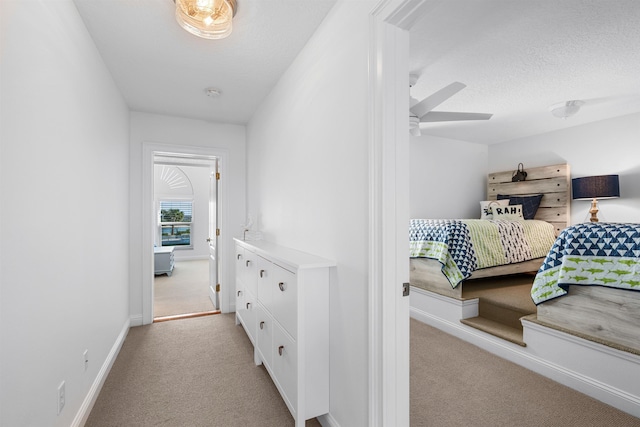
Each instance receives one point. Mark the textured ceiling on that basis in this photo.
(160, 68)
(519, 57)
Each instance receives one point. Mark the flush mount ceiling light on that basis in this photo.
(209, 19)
(566, 109)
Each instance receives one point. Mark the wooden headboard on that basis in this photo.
(554, 182)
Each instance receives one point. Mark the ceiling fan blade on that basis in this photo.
(449, 116)
(432, 101)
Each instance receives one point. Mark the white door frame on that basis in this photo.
(389, 210)
(213, 235)
(149, 150)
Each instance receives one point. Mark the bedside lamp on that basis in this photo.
(594, 188)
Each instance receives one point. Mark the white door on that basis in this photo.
(214, 289)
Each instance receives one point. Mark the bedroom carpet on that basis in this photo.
(200, 372)
(186, 291)
(454, 383)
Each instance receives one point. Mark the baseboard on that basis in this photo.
(85, 409)
(135, 320)
(610, 390)
(327, 420)
(443, 307)
(614, 385)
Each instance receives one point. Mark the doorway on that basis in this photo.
(185, 199)
(148, 220)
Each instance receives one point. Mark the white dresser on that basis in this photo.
(282, 301)
(163, 260)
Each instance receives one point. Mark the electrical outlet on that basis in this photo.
(61, 397)
(86, 359)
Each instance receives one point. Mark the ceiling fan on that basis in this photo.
(421, 112)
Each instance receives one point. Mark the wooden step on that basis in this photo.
(498, 329)
(512, 291)
(502, 302)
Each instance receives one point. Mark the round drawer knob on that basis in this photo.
(262, 273)
(239, 293)
(248, 305)
(282, 286)
(239, 256)
(280, 350)
(262, 325)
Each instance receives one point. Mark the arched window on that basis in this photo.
(174, 196)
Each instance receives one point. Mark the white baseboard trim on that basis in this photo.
(91, 397)
(608, 388)
(327, 420)
(557, 347)
(443, 307)
(135, 320)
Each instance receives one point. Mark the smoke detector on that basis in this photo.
(212, 92)
(566, 109)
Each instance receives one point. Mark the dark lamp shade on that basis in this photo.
(596, 187)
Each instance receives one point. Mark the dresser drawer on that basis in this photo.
(240, 297)
(245, 311)
(264, 335)
(285, 296)
(285, 366)
(239, 263)
(249, 272)
(266, 276)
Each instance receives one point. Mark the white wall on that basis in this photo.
(308, 183)
(601, 148)
(176, 131)
(448, 178)
(64, 204)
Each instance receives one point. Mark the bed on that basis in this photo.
(524, 243)
(589, 283)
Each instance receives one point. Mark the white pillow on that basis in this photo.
(510, 212)
(486, 206)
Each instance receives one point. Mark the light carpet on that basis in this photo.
(454, 383)
(200, 372)
(186, 291)
(192, 372)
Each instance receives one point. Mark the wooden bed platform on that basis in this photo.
(427, 274)
(606, 315)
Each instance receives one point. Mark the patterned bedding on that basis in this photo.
(603, 254)
(463, 246)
